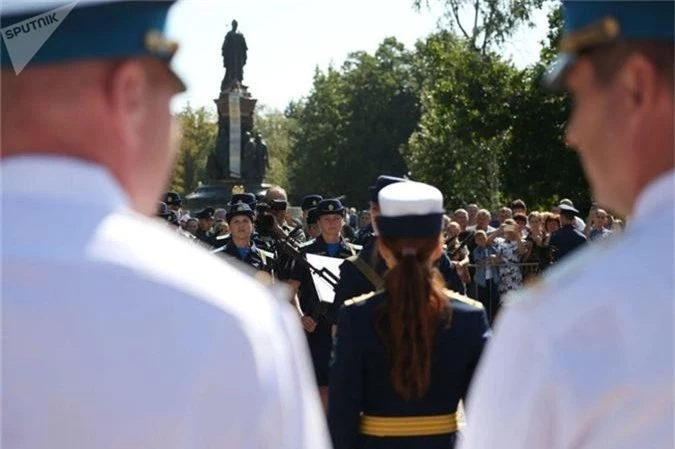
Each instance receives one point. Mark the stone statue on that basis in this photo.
(261, 158)
(234, 56)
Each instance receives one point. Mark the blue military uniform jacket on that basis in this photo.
(364, 273)
(360, 389)
(254, 258)
(565, 240)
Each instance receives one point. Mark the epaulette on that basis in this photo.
(266, 254)
(464, 299)
(356, 247)
(361, 298)
(306, 244)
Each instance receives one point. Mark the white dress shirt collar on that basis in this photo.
(658, 196)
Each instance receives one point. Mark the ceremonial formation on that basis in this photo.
(243, 315)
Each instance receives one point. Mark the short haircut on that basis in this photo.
(518, 204)
(607, 60)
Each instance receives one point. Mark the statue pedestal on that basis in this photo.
(224, 176)
(229, 157)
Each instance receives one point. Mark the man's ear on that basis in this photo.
(639, 79)
(127, 98)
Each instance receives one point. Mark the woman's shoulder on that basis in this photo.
(461, 302)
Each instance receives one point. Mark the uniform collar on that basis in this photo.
(657, 197)
(61, 178)
(342, 242)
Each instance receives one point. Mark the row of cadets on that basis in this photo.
(405, 355)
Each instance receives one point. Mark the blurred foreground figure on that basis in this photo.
(584, 359)
(113, 332)
(405, 355)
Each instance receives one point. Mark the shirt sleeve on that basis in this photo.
(512, 399)
(344, 406)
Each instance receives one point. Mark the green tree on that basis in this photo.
(198, 138)
(352, 124)
(276, 129)
(486, 24)
(538, 166)
(465, 120)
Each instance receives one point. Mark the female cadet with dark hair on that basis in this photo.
(405, 355)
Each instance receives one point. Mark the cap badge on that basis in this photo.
(156, 42)
(598, 33)
(331, 207)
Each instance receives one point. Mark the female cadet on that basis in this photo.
(314, 313)
(240, 220)
(404, 356)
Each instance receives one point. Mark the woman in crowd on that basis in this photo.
(510, 249)
(537, 251)
(404, 356)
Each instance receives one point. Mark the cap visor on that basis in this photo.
(554, 78)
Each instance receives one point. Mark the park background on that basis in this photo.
(447, 92)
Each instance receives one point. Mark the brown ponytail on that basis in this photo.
(408, 321)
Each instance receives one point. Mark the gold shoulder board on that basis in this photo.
(358, 299)
(464, 299)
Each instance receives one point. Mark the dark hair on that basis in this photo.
(408, 321)
(518, 204)
(608, 59)
(551, 217)
(520, 217)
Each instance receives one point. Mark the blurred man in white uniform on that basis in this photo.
(584, 359)
(117, 332)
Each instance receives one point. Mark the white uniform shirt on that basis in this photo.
(118, 333)
(584, 359)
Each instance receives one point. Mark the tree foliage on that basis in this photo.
(538, 165)
(198, 129)
(465, 120)
(450, 112)
(353, 122)
(486, 23)
(276, 130)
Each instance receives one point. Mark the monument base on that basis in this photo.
(217, 193)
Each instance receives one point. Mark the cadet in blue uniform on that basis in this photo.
(203, 233)
(313, 230)
(313, 312)
(174, 202)
(363, 273)
(219, 241)
(405, 355)
(568, 237)
(241, 246)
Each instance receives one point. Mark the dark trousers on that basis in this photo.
(488, 295)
